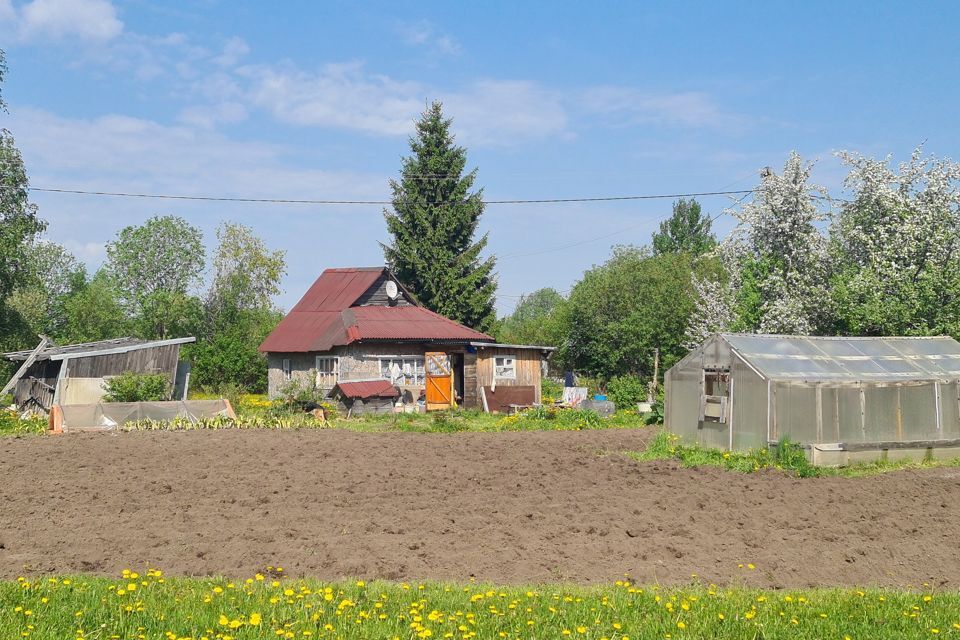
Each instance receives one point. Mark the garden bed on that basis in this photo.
(518, 507)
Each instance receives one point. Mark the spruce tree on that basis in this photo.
(433, 222)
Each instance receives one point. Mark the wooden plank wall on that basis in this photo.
(152, 360)
(528, 369)
(471, 397)
(376, 295)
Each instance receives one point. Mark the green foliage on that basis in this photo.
(786, 455)
(624, 309)
(11, 424)
(53, 274)
(265, 420)
(626, 391)
(229, 353)
(432, 225)
(550, 390)
(656, 413)
(137, 387)
(238, 312)
(537, 319)
(166, 606)
(19, 223)
(163, 255)
(687, 230)
(93, 312)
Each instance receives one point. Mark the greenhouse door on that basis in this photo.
(715, 408)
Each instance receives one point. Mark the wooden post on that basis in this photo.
(652, 388)
(44, 341)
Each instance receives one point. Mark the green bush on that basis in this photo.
(550, 390)
(137, 387)
(626, 391)
(12, 424)
(786, 455)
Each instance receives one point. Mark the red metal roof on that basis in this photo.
(324, 317)
(369, 389)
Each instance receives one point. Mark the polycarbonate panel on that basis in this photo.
(919, 409)
(882, 413)
(926, 346)
(848, 401)
(795, 407)
(683, 398)
(823, 359)
(749, 415)
(829, 409)
(950, 410)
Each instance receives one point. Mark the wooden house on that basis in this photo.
(360, 325)
(74, 374)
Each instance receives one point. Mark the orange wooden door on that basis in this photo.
(439, 380)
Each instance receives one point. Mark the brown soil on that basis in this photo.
(507, 507)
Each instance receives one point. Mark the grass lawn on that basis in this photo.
(269, 606)
(785, 456)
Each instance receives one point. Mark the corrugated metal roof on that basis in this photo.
(84, 349)
(406, 323)
(324, 317)
(337, 289)
(368, 389)
(850, 359)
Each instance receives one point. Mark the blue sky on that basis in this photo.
(313, 100)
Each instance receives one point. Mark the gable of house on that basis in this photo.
(345, 306)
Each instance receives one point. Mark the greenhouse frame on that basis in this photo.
(843, 398)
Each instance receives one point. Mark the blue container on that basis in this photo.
(599, 396)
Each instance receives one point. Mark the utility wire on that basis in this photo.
(159, 196)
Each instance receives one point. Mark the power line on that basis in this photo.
(163, 196)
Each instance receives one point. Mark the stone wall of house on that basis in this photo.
(357, 362)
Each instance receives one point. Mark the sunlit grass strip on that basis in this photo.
(152, 606)
(785, 456)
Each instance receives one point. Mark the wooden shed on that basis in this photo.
(74, 374)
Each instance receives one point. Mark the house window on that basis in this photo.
(405, 370)
(328, 371)
(286, 368)
(505, 368)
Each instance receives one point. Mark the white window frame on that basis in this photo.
(329, 375)
(505, 371)
(285, 366)
(416, 377)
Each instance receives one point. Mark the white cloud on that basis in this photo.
(7, 12)
(629, 105)
(91, 20)
(425, 34)
(344, 96)
(497, 112)
(120, 153)
(338, 95)
(233, 51)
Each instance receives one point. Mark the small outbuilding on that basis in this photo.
(360, 325)
(74, 374)
(842, 398)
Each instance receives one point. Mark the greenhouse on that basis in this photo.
(844, 399)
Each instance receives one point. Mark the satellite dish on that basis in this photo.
(392, 290)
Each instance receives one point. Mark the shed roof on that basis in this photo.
(849, 359)
(326, 317)
(101, 347)
(368, 389)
